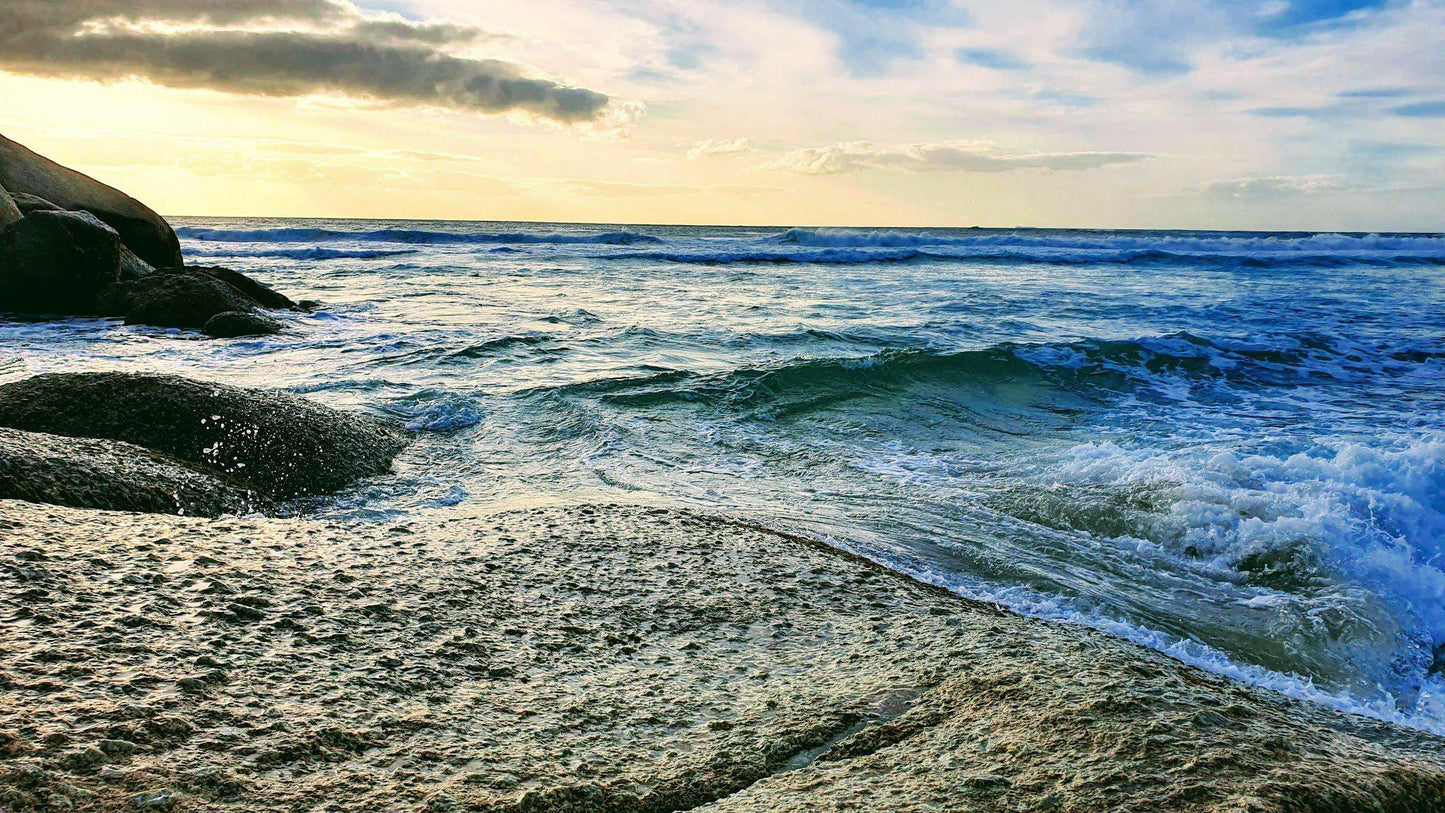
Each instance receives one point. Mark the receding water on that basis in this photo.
(1228, 446)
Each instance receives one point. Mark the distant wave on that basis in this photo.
(829, 256)
(1172, 243)
(946, 252)
(414, 236)
(312, 253)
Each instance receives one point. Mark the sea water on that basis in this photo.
(1227, 446)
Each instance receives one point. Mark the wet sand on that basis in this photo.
(604, 658)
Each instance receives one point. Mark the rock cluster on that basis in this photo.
(72, 246)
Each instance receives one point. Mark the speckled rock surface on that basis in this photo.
(85, 473)
(603, 658)
(277, 444)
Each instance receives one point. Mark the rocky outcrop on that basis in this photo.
(57, 262)
(263, 295)
(189, 297)
(9, 212)
(236, 324)
(278, 445)
(174, 298)
(72, 246)
(87, 473)
(141, 229)
(131, 265)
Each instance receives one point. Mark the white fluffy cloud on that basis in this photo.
(719, 146)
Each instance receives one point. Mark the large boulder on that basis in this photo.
(108, 474)
(28, 203)
(264, 295)
(279, 445)
(181, 299)
(141, 229)
(131, 265)
(9, 212)
(236, 324)
(57, 262)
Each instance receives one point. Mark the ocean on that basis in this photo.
(1226, 446)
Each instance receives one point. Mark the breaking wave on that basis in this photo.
(1174, 366)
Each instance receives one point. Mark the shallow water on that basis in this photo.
(1228, 446)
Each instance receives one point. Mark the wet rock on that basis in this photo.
(260, 293)
(236, 324)
(57, 262)
(174, 298)
(279, 445)
(141, 229)
(112, 475)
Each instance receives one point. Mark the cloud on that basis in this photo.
(280, 48)
(1159, 37)
(1431, 109)
(992, 58)
(946, 156)
(1276, 187)
(719, 146)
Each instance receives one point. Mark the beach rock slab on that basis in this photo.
(141, 229)
(57, 262)
(238, 324)
(279, 445)
(89, 473)
(618, 659)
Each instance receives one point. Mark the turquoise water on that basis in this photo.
(1228, 446)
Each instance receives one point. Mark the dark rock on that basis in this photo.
(57, 262)
(131, 265)
(142, 230)
(107, 474)
(31, 203)
(174, 298)
(308, 305)
(235, 324)
(264, 295)
(9, 212)
(280, 445)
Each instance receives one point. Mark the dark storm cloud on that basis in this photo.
(275, 47)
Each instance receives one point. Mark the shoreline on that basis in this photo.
(606, 657)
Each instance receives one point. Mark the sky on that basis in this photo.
(1277, 114)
